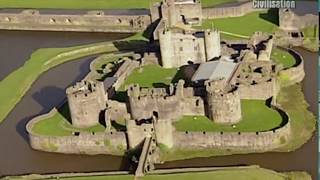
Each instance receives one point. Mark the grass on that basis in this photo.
(247, 173)
(228, 174)
(17, 83)
(59, 125)
(282, 57)
(150, 76)
(256, 117)
(91, 4)
(303, 123)
(211, 3)
(311, 38)
(264, 21)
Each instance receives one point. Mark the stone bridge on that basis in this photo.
(147, 157)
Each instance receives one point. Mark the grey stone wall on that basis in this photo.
(84, 143)
(294, 74)
(124, 71)
(290, 21)
(259, 141)
(260, 91)
(91, 22)
(230, 11)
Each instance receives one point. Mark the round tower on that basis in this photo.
(172, 13)
(223, 106)
(166, 48)
(86, 101)
(212, 44)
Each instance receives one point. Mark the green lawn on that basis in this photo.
(58, 125)
(245, 25)
(283, 57)
(303, 124)
(256, 116)
(247, 173)
(91, 4)
(211, 3)
(150, 76)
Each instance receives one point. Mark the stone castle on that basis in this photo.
(153, 110)
(223, 74)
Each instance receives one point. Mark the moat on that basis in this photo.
(48, 91)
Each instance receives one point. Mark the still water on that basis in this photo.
(16, 156)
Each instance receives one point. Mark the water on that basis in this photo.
(17, 157)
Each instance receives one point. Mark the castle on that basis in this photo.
(250, 75)
(222, 76)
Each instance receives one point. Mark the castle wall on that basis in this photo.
(260, 91)
(147, 106)
(230, 11)
(85, 105)
(163, 130)
(85, 143)
(166, 48)
(93, 21)
(290, 21)
(212, 44)
(124, 71)
(255, 141)
(137, 133)
(294, 74)
(182, 48)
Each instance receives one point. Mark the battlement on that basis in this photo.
(85, 88)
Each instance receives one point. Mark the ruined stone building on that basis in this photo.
(180, 44)
(87, 99)
(181, 47)
(151, 111)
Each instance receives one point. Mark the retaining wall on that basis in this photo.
(83, 143)
(294, 74)
(230, 11)
(92, 21)
(255, 141)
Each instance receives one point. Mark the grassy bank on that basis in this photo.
(311, 38)
(250, 173)
(259, 21)
(92, 4)
(291, 99)
(17, 83)
(256, 116)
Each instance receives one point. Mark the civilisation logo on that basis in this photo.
(267, 4)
